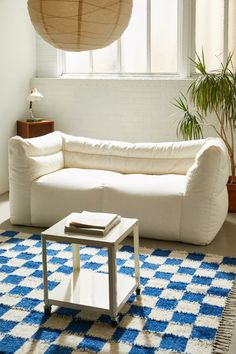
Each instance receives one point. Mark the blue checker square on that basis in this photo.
(127, 248)
(102, 252)
(51, 252)
(20, 290)
(224, 275)
(13, 279)
(120, 262)
(173, 261)
(229, 261)
(193, 297)
(166, 304)
(177, 285)
(7, 269)
(27, 303)
(56, 260)
(136, 349)
(4, 309)
(19, 248)
(46, 334)
(35, 237)
(174, 343)
(183, 318)
(186, 270)
(35, 318)
(131, 298)
(57, 349)
(104, 319)
(218, 291)
(211, 310)
(69, 248)
(63, 311)
(143, 257)
(3, 259)
(201, 280)
(203, 333)
(79, 326)
(196, 256)
(14, 240)
(91, 343)
(143, 281)
(163, 275)
(161, 253)
(6, 326)
(152, 266)
(9, 233)
(51, 285)
(10, 344)
(64, 269)
(38, 274)
(141, 311)
(25, 255)
(155, 326)
(125, 335)
(127, 270)
(211, 266)
(92, 265)
(152, 291)
(85, 257)
(32, 264)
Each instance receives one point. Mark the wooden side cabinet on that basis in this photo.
(32, 129)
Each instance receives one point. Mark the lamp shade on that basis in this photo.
(34, 96)
(79, 25)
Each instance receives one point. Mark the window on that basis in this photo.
(215, 30)
(161, 36)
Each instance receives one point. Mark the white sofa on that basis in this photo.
(176, 190)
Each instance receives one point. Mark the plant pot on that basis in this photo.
(232, 195)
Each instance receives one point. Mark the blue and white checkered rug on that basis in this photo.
(179, 311)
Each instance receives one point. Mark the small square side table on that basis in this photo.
(85, 289)
(33, 129)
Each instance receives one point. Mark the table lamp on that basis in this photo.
(33, 96)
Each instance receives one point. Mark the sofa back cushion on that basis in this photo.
(123, 157)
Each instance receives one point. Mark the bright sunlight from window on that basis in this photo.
(150, 43)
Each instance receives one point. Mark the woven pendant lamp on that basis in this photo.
(78, 25)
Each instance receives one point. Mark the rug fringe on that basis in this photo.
(228, 319)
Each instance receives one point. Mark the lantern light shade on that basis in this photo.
(79, 25)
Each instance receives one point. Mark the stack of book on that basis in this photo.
(91, 223)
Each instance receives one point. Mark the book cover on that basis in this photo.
(92, 230)
(88, 219)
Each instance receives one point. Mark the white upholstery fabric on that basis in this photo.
(148, 158)
(176, 190)
(114, 192)
(28, 160)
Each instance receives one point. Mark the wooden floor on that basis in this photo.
(223, 244)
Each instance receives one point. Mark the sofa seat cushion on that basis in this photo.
(154, 199)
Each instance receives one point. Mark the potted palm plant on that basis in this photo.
(212, 92)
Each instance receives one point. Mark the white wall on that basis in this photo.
(122, 109)
(17, 66)
(137, 109)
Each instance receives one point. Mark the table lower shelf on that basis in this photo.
(86, 289)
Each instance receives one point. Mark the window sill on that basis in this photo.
(136, 77)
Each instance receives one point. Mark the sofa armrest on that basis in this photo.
(28, 160)
(205, 202)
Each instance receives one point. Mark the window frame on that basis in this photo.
(185, 47)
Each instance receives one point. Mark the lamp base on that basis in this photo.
(34, 119)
